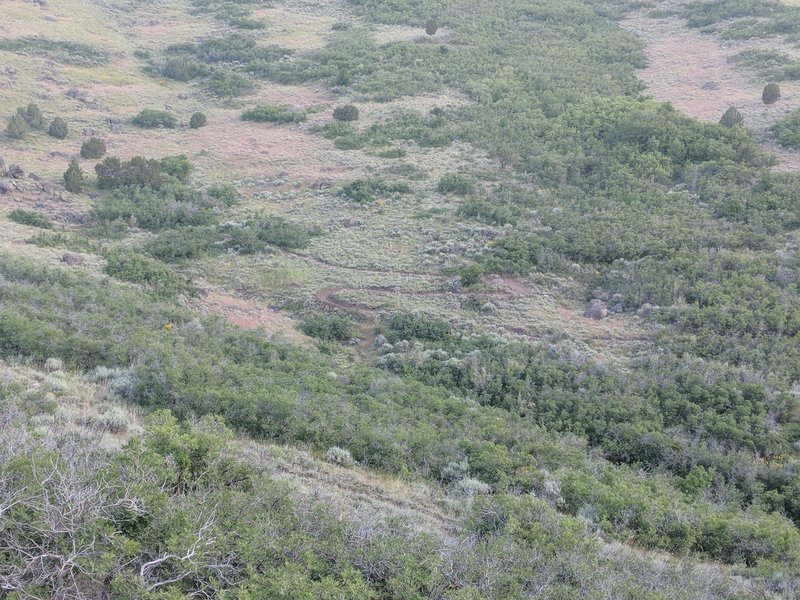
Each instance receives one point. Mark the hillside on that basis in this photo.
(399, 299)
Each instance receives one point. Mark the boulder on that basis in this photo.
(15, 172)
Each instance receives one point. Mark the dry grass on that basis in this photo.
(51, 397)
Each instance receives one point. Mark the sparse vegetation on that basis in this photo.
(30, 218)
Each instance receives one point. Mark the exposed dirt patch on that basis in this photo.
(250, 314)
(696, 73)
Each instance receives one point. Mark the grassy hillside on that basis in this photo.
(483, 320)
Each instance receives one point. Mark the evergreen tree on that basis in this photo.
(58, 128)
(345, 113)
(34, 116)
(93, 148)
(771, 93)
(731, 118)
(73, 177)
(17, 127)
(198, 120)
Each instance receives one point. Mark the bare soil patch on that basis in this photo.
(250, 314)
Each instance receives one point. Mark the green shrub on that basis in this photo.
(73, 177)
(58, 128)
(273, 114)
(189, 243)
(226, 84)
(178, 167)
(455, 183)
(17, 127)
(787, 130)
(93, 148)
(408, 326)
(277, 231)
(198, 120)
(471, 275)
(328, 327)
(152, 119)
(135, 268)
(182, 68)
(771, 93)
(34, 116)
(393, 153)
(112, 173)
(365, 191)
(731, 118)
(360, 191)
(30, 218)
(431, 26)
(345, 113)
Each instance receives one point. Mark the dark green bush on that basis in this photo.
(455, 183)
(93, 148)
(471, 275)
(17, 127)
(273, 114)
(34, 117)
(787, 130)
(30, 218)
(182, 68)
(431, 26)
(73, 177)
(365, 191)
(181, 245)
(152, 119)
(135, 268)
(408, 326)
(227, 84)
(731, 118)
(178, 167)
(198, 120)
(112, 173)
(328, 327)
(345, 113)
(771, 93)
(58, 128)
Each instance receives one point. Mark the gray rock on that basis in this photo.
(15, 172)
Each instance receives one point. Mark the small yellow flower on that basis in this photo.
(168, 326)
